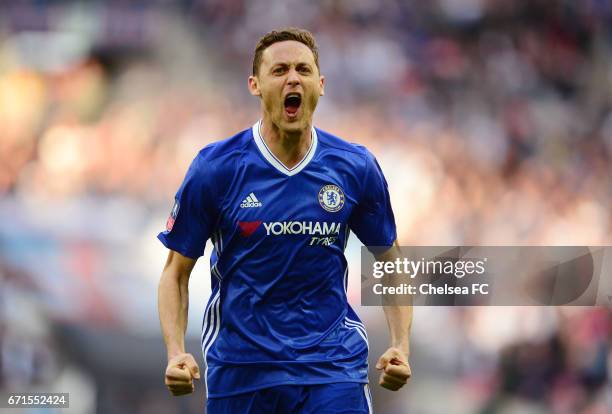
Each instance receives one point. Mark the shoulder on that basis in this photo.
(357, 155)
(215, 164)
(222, 151)
(335, 143)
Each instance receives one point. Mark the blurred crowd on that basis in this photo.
(473, 108)
(492, 120)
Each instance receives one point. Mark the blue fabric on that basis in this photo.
(278, 312)
(336, 398)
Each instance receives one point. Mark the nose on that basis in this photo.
(293, 78)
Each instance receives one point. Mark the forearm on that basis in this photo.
(173, 305)
(399, 320)
(399, 316)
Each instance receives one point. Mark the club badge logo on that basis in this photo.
(331, 198)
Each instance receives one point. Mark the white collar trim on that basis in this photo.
(276, 163)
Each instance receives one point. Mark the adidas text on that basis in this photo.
(250, 201)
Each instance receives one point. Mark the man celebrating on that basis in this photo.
(278, 201)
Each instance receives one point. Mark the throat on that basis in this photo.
(288, 148)
(291, 152)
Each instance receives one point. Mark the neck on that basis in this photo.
(289, 147)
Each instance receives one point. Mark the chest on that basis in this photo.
(315, 204)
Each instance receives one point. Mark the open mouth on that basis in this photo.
(292, 103)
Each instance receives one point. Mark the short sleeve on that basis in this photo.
(191, 218)
(372, 218)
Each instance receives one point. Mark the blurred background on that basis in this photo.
(492, 120)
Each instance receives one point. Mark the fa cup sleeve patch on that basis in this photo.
(173, 214)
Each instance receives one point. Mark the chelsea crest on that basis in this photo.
(331, 198)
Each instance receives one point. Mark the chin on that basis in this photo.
(293, 125)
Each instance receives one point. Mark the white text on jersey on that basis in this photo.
(250, 201)
(316, 228)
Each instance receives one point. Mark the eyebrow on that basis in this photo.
(285, 64)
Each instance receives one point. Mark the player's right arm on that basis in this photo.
(173, 304)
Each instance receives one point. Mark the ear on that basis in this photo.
(322, 85)
(254, 86)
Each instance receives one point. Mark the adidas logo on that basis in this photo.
(250, 201)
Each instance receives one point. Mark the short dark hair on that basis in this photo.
(281, 35)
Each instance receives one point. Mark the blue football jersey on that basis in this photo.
(278, 312)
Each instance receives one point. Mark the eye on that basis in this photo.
(304, 69)
(278, 70)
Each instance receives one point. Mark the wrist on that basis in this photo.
(403, 347)
(174, 352)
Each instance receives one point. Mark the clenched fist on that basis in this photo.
(395, 369)
(181, 371)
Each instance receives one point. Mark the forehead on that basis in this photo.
(288, 51)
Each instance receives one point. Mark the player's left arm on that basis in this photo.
(394, 366)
